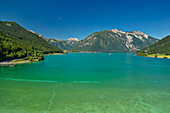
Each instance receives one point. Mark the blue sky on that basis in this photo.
(62, 19)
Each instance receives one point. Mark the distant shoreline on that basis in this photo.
(56, 54)
(157, 56)
(22, 61)
(14, 62)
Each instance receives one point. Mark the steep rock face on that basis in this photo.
(63, 44)
(115, 41)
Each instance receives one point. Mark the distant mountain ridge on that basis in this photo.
(104, 41)
(115, 41)
(63, 44)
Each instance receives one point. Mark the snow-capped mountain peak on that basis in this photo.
(72, 39)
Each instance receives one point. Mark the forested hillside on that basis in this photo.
(12, 48)
(35, 42)
(17, 42)
(160, 47)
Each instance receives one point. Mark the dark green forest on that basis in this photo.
(12, 48)
(17, 42)
(161, 47)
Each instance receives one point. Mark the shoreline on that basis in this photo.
(56, 54)
(157, 56)
(15, 62)
(21, 61)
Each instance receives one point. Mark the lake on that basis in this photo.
(87, 83)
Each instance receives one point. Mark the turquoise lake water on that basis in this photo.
(87, 83)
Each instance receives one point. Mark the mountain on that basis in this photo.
(63, 44)
(37, 34)
(32, 40)
(161, 47)
(115, 41)
(12, 48)
(17, 42)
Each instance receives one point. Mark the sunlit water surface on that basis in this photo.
(87, 83)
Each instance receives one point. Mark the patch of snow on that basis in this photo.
(58, 40)
(90, 37)
(117, 31)
(141, 38)
(87, 44)
(72, 39)
(129, 38)
(8, 24)
(140, 33)
(146, 36)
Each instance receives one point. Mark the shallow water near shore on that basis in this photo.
(87, 83)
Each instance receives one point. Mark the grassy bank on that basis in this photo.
(28, 59)
(159, 56)
(154, 55)
(17, 61)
